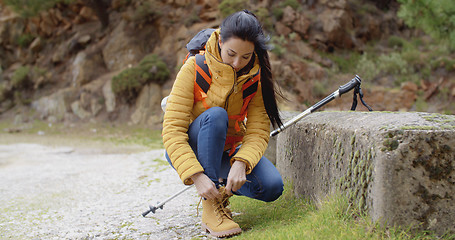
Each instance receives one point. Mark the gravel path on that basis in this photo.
(70, 193)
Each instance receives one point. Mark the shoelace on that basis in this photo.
(222, 208)
(222, 205)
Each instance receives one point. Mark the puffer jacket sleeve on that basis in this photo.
(257, 133)
(176, 121)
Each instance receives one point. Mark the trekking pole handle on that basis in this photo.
(350, 85)
(341, 90)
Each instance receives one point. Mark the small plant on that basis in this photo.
(420, 104)
(294, 4)
(395, 42)
(278, 43)
(146, 12)
(129, 82)
(264, 17)
(2, 92)
(277, 13)
(319, 89)
(228, 7)
(31, 8)
(392, 63)
(24, 40)
(192, 19)
(366, 67)
(20, 77)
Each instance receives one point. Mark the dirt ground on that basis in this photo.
(59, 189)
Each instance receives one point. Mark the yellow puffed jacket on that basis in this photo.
(225, 91)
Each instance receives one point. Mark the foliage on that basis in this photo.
(129, 82)
(146, 12)
(24, 40)
(228, 7)
(410, 61)
(345, 61)
(20, 77)
(436, 18)
(192, 19)
(366, 67)
(292, 3)
(264, 17)
(31, 8)
(277, 43)
(2, 91)
(395, 42)
(392, 63)
(278, 13)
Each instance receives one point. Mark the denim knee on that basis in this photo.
(273, 189)
(217, 116)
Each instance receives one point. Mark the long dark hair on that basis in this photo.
(246, 26)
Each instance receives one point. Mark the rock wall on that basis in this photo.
(66, 49)
(398, 167)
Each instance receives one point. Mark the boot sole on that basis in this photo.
(227, 233)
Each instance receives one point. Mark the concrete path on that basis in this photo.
(70, 193)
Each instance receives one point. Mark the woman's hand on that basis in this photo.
(236, 177)
(205, 187)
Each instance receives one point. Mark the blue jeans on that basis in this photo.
(207, 135)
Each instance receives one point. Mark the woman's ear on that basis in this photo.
(220, 42)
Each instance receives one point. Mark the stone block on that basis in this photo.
(398, 167)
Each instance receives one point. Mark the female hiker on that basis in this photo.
(217, 125)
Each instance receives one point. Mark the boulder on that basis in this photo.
(85, 68)
(337, 25)
(79, 111)
(148, 105)
(121, 49)
(109, 96)
(56, 104)
(397, 167)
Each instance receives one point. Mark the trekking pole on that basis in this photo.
(161, 204)
(353, 84)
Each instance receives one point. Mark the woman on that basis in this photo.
(208, 140)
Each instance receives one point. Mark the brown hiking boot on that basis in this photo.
(217, 218)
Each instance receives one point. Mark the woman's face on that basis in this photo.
(236, 52)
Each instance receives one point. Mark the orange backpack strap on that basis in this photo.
(202, 80)
(249, 89)
(233, 140)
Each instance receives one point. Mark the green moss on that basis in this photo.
(439, 118)
(357, 177)
(419, 128)
(392, 140)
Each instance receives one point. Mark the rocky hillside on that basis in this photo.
(71, 64)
